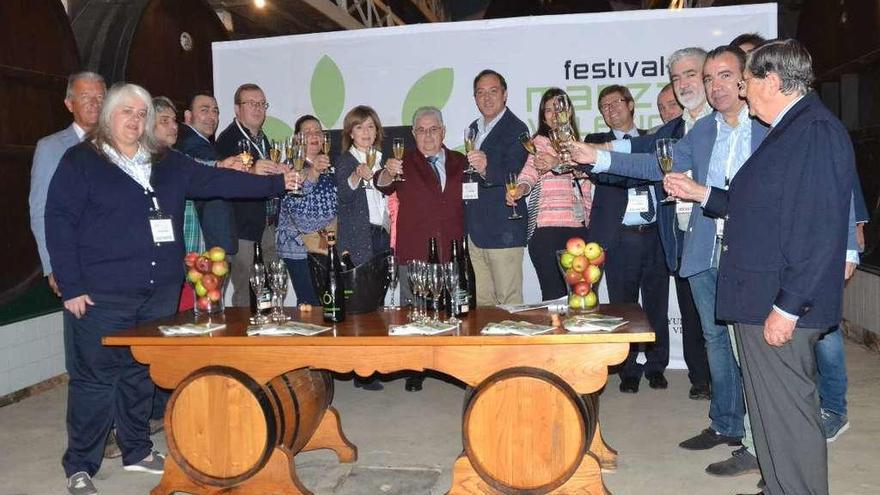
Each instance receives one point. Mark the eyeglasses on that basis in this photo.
(256, 104)
(613, 103)
(430, 131)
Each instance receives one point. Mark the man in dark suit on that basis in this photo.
(253, 220)
(624, 222)
(196, 139)
(496, 243)
(780, 278)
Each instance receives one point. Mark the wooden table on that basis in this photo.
(244, 406)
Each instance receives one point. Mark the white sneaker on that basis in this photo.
(153, 464)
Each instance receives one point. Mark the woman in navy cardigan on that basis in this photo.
(114, 229)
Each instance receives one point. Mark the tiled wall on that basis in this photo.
(30, 351)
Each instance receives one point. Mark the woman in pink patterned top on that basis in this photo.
(559, 207)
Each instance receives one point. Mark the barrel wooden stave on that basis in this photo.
(526, 431)
(221, 413)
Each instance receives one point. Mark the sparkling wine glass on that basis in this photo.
(278, 282)
(298, 162)
(371, 156)
(258, 282)
(398, 149)
(526, 140)
(434, 280)
(470, 139)
(275, 152)
(511, 188)
(325, 149)
(244, 152)
(663, 150)
(392, 281)
(450, 272)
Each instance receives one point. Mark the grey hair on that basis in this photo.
(81, 76)
(683, 53)
(164, 103)
(112, 101)
(788, 59)
(427, 112)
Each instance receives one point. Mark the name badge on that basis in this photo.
(719, 227)
(470, 190)
(683, 207)
(638, 203)
(163, 229)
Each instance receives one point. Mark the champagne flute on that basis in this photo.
(275, 152)
(470, 139)
(526, 140)
(371, 162)
(450, 272)
(392, 281)
(258, 281)
(278, 281)
(511, 188)
(663, 149)
(398, 150)
(298, 162)
(244, 152)
(562, 109)
(325, 149)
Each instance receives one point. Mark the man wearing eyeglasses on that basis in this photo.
(253, 221)
(497, 243)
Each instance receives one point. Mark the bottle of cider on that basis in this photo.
(467, 274)
(333, 298)
(260, 303)
(458, 296)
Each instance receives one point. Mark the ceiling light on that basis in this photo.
(260, 3)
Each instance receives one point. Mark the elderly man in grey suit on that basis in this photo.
(85, 94)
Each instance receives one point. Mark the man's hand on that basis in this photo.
(512, 198)
(477, 159)
(544, 162)
(233, 162)
(860, 236)
(53, 284)
(292, 180)
(394, 166)
(321, 163)
(267, 167)
(681, 186)
(78, 305)
(849, 270)
(582, 152)
(778, 329)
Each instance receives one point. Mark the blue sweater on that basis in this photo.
(97, 219)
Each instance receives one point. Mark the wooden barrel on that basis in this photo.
(163, 45)
(222, 426)
(38, 54)
(526, 431)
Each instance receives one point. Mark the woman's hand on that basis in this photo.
(513, 197)
(78, 305)
(544, 162)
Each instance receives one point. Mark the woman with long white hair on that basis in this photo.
(114, 229)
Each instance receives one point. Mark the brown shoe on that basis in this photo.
(111, 448)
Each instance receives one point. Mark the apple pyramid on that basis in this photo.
(581, 264)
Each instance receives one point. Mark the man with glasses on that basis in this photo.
(623, 220)
(497, 243)
(253, 221)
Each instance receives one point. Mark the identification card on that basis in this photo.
(163, 229)
(470, 190)
(719, 227)
(638, 203)
(683, 207)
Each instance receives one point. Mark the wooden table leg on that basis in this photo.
(587, 480)
(606, 455)
(329, 435)
(277, 476)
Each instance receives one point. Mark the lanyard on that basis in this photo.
(260, 148)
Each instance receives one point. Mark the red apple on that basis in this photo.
(210, 281)
(190, 259)
(575, 246)
(216, 253)
(572, 277)
(220, 268)
(203, 303)
(592, 251)
(582, 288)
(214, 295)
(600, 260)
(203, 264)
(575, 301)
(591, 300)
(194, 275)
(565, 259)
(579, 263)
(593, 274)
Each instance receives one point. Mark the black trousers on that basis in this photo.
(107, 386)
(693, 343)
(637, 264)
(543, 245)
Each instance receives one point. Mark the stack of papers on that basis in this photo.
(429, 328)
(508, 327)
(592, 322)
(286, 329)
(190, 329)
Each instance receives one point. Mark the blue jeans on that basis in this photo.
(727, 408)
(831, 363)
(301, 278)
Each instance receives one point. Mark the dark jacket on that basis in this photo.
(486, 218)
(353, 214)
(97, 219)
(787, 214)
(215, 216)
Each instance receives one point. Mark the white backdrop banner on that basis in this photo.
(398, 69)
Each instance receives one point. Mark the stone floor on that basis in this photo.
(407, 442)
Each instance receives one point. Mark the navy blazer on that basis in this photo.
(248, 216)
(692, 153)
(353, 214)
(787, 211)
(486, 218)
(215, 216)
(610, 199)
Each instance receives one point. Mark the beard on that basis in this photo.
(692, 100)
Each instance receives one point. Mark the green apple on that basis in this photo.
(565, 260)
(200, 289)
(591, 300)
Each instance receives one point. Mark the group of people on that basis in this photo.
(763, 226)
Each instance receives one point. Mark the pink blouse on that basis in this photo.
(559, 205)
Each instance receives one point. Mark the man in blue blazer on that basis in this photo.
(786, 223)
(497, 244)
(85, 94)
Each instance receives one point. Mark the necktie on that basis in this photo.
(627, 137)
(648, 216)
(435, 166)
